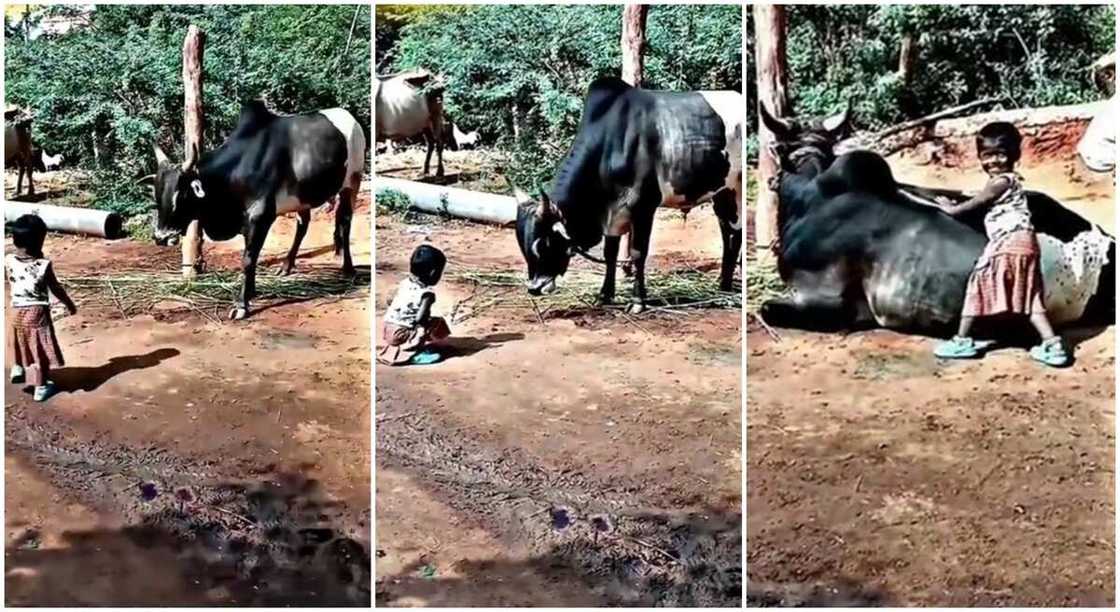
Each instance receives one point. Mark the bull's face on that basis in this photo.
(544, 242)
(806, 144)
(178, 192)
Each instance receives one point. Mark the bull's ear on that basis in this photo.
(837, 124)
(161, 157)
(780, 127)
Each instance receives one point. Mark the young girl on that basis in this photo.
(31, 331)
(1007, 278)
(409, 324)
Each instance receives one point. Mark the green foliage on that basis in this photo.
(103, 95)
(518, 74)
(1032, 55)
(392, 202)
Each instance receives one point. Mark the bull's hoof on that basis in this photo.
(636, 308)
(285, 269)
(628, 270)
(349, 271)
(238, 314)
(604, 299)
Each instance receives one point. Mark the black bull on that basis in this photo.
(857, 252)
(636, 150)
(269, 166)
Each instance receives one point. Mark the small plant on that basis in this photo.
(392, 202)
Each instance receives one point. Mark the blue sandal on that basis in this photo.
(425, 358)
(959, 347)
(1051, 352)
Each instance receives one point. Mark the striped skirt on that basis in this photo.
(1007, 278)
(33, 342)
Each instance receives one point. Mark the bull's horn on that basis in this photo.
(146, 179)
(780, 127)
(559, 228)
(161, 157)
(521, 197)
(192, 157)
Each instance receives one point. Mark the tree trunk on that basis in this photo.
(770, 50)
(907, 57)
(633, 42)
(192, 136)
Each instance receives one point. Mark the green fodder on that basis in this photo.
(679, 290)
(139, 292)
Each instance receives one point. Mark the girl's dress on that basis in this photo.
(1007, 277)
(31, 334)
(401, 326)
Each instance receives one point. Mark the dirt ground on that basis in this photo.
(877, 475)
(579, 458)
(188, 461)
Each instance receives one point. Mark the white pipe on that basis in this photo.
(90, 221)
(437, 199)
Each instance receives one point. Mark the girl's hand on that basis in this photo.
(943, 201)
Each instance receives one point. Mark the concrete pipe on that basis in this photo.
(437, 199)
(89, 221)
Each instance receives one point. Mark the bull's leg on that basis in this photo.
(727, 211)
(439, 153)
(641, 229)
(30, 179)
(19, 177)
(817, 313)
(256, 230)
(302, 221)
(610, 256)
(628, 266)
(343, 216)
(430, 140)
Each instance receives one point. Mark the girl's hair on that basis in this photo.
(427, 263)
(1000, 136)
(28, 233)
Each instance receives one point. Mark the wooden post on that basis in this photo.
(633, 42)
(773, 90)
(192, 136)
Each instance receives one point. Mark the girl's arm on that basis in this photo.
(987, 196)
(60, 293)
(425, 313)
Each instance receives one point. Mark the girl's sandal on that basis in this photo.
(44, 392)
(427, 357)
(1051, 352)
(957, 348)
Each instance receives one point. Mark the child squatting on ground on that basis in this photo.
(1007, 277)
(31, 332)
(409, 324)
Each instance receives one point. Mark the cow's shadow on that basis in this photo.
(465, 346)
(39, 196)
(362, 277)
(73, 379)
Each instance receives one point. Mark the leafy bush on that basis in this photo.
(1032, 55)
(392, 202)
(103, 94)
(518, 74)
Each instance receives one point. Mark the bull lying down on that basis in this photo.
(269, 166)
(859, 249)
(636, 150)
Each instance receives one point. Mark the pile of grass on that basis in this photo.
(210, 294)
(676, 291)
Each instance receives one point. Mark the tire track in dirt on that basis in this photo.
(605, 533)
(256, 536)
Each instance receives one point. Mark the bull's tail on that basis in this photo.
(344, 214)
